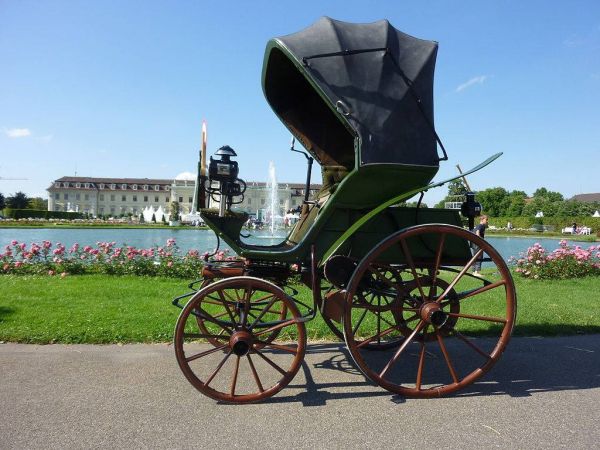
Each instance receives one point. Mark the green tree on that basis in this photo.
(174, 211)
(548, 195)
(18, 201)
(38, 203)
(456, 193)
(494, 201)
(153, 218)
(516, 203)
(2, 202)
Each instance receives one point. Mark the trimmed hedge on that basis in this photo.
(558, 222)
(40, 214)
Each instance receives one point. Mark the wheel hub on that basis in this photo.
(241, 342)
(432, 313)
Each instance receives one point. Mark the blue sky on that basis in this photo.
(119, 88)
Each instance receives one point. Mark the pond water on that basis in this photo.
(204, 240)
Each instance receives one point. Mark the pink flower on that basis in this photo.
(13, 242)
(170, 264)
(51, 272)
(6, 266)
(64, 274)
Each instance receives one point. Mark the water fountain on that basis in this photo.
(273, 212)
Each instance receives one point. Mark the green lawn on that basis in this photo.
(106, 309)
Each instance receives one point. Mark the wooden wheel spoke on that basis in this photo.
(405, 343)
(421, 360)
(209, 318)
(284, 348)
(411, 264)
(204, 336)
(214, 374)
(207, 352)
(477, 291)
(236, 369)
(262, 299)
(383, 278)
(271, 363)
(224, 302)
(255, 374)
(378, 336)
(446, 355)
(436, 267)
(460, 275)
(362, 317)
(467, 341)
(262, 313)
(279, 326)
(474, 317)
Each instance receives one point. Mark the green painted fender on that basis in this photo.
(394, 201)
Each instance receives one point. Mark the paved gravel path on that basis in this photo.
(544, 393)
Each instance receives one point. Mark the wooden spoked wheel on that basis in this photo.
(261, 340)
(449, 326)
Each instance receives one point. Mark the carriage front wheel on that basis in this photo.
(257, 334)
(450, 325)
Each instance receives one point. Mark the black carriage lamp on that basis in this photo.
(225, 172)
(470, 209)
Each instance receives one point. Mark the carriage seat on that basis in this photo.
(332, 176)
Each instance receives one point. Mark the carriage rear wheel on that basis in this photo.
(375, 302)
(261, 340)
(449, 325)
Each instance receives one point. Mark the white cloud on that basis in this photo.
(17, 132)
(473, 81)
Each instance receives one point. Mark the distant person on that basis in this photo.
(574, 228)
(479, 231)
(509, 226)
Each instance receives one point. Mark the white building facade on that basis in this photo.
(116, 197)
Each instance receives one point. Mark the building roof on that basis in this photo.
(115, 180)
(587, 198)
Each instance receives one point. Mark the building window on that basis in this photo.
(180, 199)
(167, 188)
(156, 187)
(156, 199)
(145, 187)
(249, 201)
(87, 185)
(112, 209)
(262, 201)
(146, 198)
(123, 198)
(66, 185)
(86, 196)
(57, 196)
(135, 198)
(113, 186)
(123, 186)
(134, 187)
(102, 210)
(190, 199)
(77, 185)
(102, 197)
(280, 201)
(77, 196)
(112, 197)
(167, 199)
(66, 196)
(101, 185)
(57, 184)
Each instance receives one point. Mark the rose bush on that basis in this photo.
(104, 258)
(564, 262)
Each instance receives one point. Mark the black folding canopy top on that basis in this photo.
(346, 89)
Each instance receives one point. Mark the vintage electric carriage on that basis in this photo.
(393, 282)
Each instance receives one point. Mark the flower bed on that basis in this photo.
(564, 262)
(105, 258)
